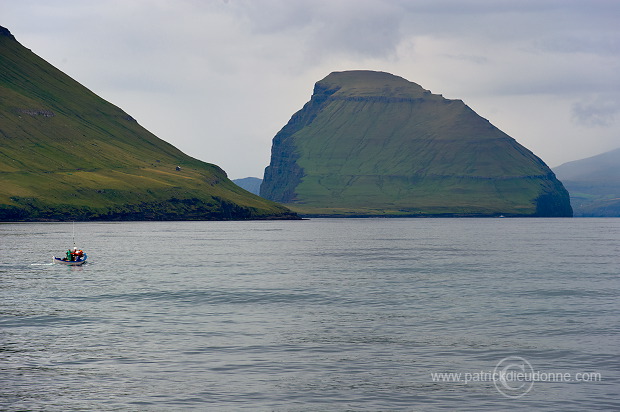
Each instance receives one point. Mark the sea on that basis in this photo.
(314, 315)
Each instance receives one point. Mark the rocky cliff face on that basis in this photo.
(371, 144)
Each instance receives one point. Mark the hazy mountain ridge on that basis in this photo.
(593, 184)
(370, 143)
(251, 184)
(66, 153)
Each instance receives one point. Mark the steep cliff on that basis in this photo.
(374, 144)
(67, 154)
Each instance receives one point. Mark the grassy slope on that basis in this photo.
(67, 153)
(382, 145)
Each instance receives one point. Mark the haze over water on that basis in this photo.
(323, 314)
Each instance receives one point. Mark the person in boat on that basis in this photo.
(76, 254)
(69, 255)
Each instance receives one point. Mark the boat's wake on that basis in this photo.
(41, 264)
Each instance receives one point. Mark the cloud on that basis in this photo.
(219, 78)
(600, 111)
(366, 27)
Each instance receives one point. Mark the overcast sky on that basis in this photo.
(219, 78)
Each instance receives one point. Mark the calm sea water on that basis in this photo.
(323, 314)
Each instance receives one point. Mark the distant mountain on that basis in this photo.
(67, 154)
(593, 184)
(374, 144)
(251, 184)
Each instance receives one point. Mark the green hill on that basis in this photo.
(373, 144)
(594, 184)
(67, 154)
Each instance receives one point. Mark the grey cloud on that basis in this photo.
(598, 112)
(324, 28)
(476, 59)
(195, 60)
(375, 28)
(589, 43)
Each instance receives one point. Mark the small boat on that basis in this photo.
(74, 257)
(77, 262)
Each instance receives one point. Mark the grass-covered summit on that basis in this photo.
(66, 153)
(373, 144)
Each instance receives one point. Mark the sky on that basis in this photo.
(219, 78)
